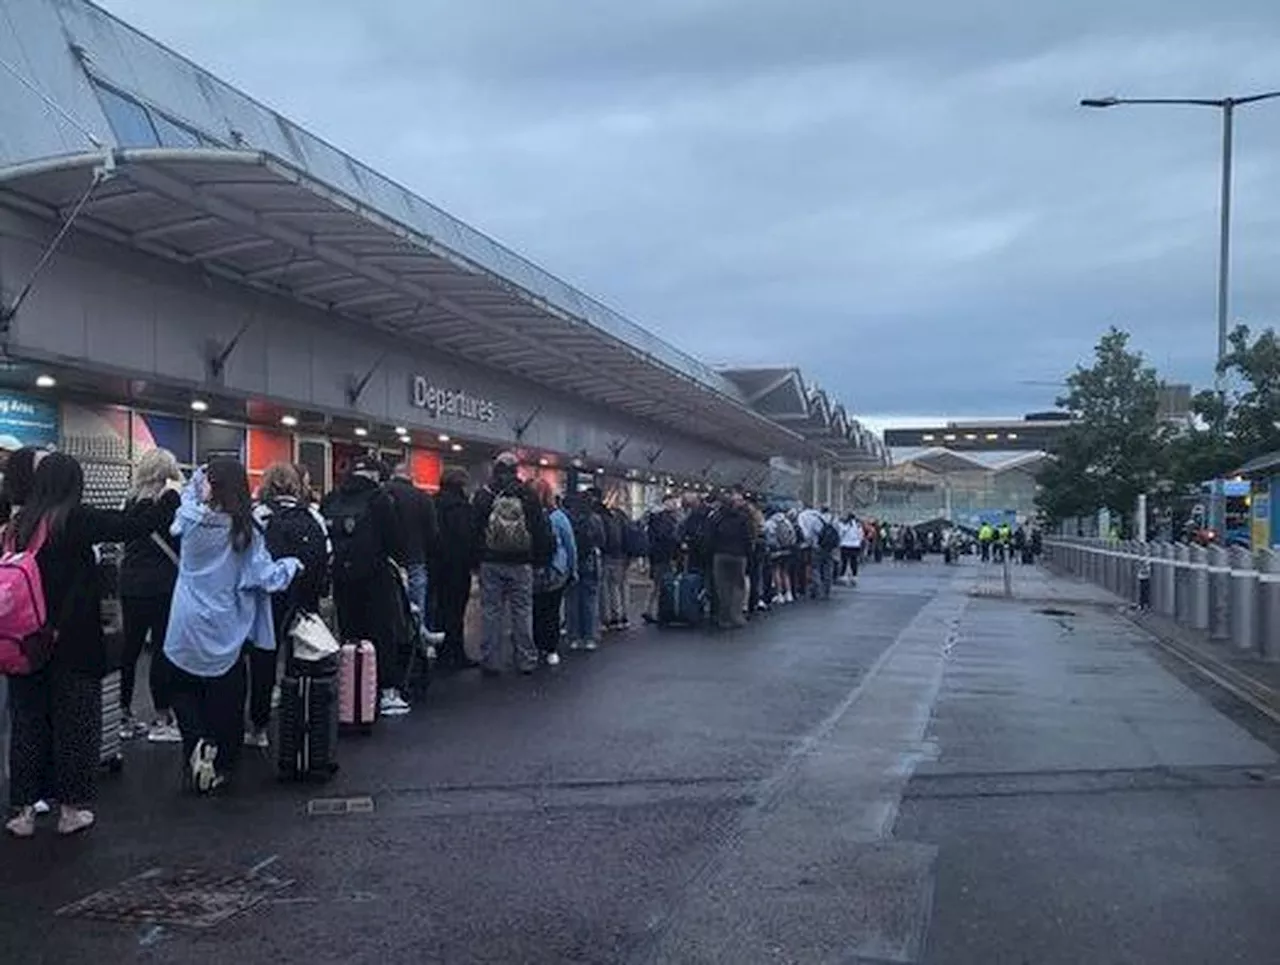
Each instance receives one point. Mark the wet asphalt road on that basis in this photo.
(909, 773)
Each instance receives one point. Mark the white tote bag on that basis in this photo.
(311, 638)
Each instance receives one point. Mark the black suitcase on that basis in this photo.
(308, 737)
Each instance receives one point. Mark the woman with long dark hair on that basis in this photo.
(221, 603)
(57, 709)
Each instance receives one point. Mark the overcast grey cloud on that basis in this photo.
(901, 198)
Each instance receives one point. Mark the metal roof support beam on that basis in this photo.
(10, 311)
(372, 298)
(239, 247)
(173, 227)
(273, 272)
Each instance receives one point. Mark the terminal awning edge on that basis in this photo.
(251, 218)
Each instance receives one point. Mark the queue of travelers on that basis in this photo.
(212, 579)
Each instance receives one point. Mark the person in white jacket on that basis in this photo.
(850, 548)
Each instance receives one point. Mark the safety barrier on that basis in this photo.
(1230, 593)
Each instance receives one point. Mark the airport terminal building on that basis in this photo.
(182, 266)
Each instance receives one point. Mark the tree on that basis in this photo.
(1252, 418)
(1115, 450)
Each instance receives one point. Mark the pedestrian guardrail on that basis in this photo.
(1230, 593)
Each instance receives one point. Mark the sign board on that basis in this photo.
(27, 421)
(453, 402)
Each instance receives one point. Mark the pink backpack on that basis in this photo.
(26, 643)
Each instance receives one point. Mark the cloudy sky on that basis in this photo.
(901, 198)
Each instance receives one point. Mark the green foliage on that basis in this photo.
(1115, 449)
(1253, 416)
(1120, 447)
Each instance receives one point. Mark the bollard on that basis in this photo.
(1168, 583)
(1182, 584)
(1157, 584)
(1269, 604)
(1199, 562)
(1219, 594)
(1244, 599)
(1112, 568)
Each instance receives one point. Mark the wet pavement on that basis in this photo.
(917, 771)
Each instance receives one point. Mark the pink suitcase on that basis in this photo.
(358, 685)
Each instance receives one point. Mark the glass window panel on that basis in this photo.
(174, 135)
(129, 120)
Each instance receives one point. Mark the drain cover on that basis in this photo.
(190, 897)
(326, 806)
(1050, 611)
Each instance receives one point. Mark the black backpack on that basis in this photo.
(355, 540)
(293, 531)
(587, 532)
(828, 537)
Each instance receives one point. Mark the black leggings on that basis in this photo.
(546, 620)
(211, 709)
(145, 617)
(849, 556)
(56, 737)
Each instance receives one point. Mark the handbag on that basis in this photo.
(311, 638)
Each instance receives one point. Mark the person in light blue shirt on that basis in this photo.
(550, 582)
(221, 603)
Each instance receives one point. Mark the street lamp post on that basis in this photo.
(1227, 105)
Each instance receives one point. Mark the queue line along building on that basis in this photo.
(182, 266)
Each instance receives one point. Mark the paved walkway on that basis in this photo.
(919, 771)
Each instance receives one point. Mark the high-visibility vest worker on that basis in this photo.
(986, 534)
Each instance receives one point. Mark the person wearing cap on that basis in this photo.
(512, 537)
(365, 534)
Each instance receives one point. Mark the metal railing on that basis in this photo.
(1231, 594)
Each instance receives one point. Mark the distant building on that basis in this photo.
(1036, 432)
(940, 483)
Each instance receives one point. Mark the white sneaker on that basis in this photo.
(553, 660)
(575, 644)
(257, 738)
(590, 645)
(431, 653)
(22, 824)
(203, 773)
(392, 704)
(434, 638)
(41, 807)
(791, 598)
(162, 733)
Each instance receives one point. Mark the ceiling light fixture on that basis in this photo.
(401, 431)
(45, 381)
(289, 420)
(443, 437)
(199, 405)
(361, 431)
(456, 447)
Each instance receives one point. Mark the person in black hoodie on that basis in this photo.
(512, 536)
(419, 536)
(365, 536)
(148, 572)
(664, 550)
(451, 567)
(57, 710)
(730, 545)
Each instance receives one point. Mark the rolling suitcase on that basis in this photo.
(112, 750)
(308, 737)
(358, 686)
(682, 600)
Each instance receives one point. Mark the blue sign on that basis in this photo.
(27, 421)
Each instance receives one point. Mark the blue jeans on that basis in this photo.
(418, 591)
(582, 606)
